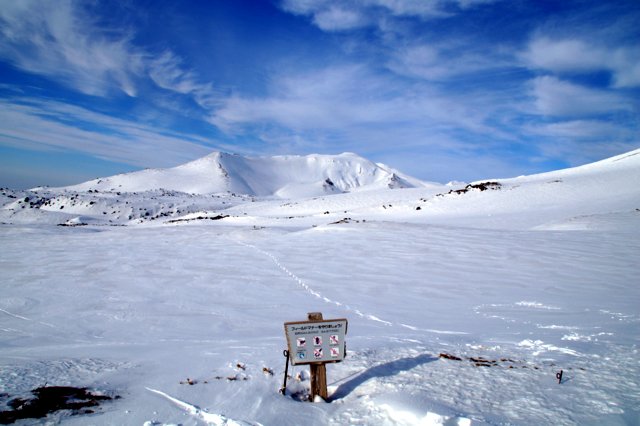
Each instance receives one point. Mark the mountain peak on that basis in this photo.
(282, 176)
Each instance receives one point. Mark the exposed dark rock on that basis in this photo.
(449, 356)
(218, 217)
(51, 399)
(483, 186)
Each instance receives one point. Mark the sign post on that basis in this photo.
(316, 342)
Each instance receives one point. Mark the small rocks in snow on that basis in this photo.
(480, 361)
(483, 186)
(449, 356)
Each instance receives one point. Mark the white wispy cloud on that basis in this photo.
(338, 18)
(314, 100)
(331, 15)
(573, 120)
(167, 71)
(469, 165)
(426, 9)
(400, 87)
(42, 125)
(582, 129)
(438, 61)
(341, 97)
(58, 40)
(62, 41)
(352, 108)
(423, 9)
(555, 97)
(577, 55)
(582, 140)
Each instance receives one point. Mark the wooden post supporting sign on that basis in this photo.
(316, 342)
(318, 371)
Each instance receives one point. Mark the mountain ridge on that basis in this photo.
(282, 176)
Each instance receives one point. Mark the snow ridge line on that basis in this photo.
(314, 293)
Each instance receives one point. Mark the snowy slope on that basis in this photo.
(603, 191)
(463, 301)
(281, 176)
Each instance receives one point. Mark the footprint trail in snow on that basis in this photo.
(325, 299)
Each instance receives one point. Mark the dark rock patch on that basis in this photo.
(50, 399)
(217, 217)
(482, 186)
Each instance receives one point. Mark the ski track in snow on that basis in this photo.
(208, 418)
(25, 318)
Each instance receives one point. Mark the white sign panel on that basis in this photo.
(316, 341)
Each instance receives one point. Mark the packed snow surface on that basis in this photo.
(464, 300)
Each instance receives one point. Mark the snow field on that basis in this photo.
(463, 302)
(155, 306)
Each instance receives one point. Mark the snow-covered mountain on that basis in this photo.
(280, 176)
(311, 190)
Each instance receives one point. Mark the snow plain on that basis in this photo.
(182, 315)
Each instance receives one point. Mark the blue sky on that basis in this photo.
(439, 89)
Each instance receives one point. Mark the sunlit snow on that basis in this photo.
(170, 288)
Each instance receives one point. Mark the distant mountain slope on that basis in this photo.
(281, 176)
(620, 165)
(601, 192)
(250, 191)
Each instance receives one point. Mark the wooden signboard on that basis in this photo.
(316, 342)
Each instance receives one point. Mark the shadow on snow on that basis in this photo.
(383, 370)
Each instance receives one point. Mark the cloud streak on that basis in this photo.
(62, 41)
(574, 55)
(167, 72)
(440, 78)
(352, 14)
(58, 40)
(48, 125)
(345, 98)
(439, 62)
(556, 97)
